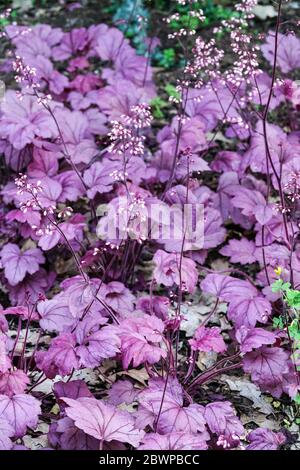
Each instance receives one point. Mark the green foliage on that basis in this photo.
(157, 104)
(185, 21)
(127, 18)
(213, 11)
(278, 323)
(6, 21)
(171, 91)
(279, 285)
(294, 330)
(292, 299)
(291, 296)
(166, 58)
(297, 400)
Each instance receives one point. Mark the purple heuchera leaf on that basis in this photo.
(94, 346)
(71, 43)
(85, 83)
(25, 312)
(77, 137)
(73, 389)
(23, 121)
(210, 108)
(3, 323)
(226, 161)
(246, 307)
(39, 40)
(122, 391)
(80, 295)
(173, 441)
(222, 420)
(167, 272)
(97, 121)
(87, 346)
(43, 164)
(208, 339)
(51, 191)
(32, 287)
(240, 251)
(117, 98)
(6, 431)
(13, 382)
(263, 213)
(118, 297)
(267, 366)
(275, 230)
(265, 439)
(290, 383)
(214, 233)
(249, 311)
(99, 178)
(276, 137)
(226, 287)
(55, 314)
(166, 401)
(253, 338)
(17, 263)
(72, 187)
(65, 435)
(20, 411)
(103, 422)
(288, 54)
(154, 304)
(60, 358)
(262, 89)
(192, 137)
(140, 340)
(73, 230)
(110, 44)
(132, 67)
(252, 204)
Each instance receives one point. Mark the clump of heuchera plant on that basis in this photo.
(76, 137)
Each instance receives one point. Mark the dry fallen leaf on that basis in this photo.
(248, 390)
(194, 315)
(90, 376)
(206, 360)
(140, 375)
(260, 420)
(264, 11)
(36, 443)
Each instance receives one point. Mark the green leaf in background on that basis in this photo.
(186, 22)
(280, 285)
(297, 400)
(157, 105)
(167, 58)
(293, 298)
(278, 322)
(294, 330)
(171, 91)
